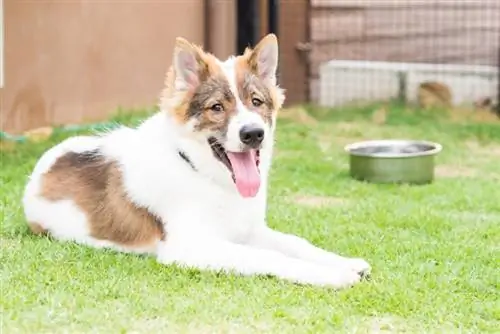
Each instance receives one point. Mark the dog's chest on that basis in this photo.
(232, 217)
(190, 200)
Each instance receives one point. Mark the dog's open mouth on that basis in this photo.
(244, 167)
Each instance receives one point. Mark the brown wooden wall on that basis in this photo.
(454, 31)
(293, 30)
(75, 61)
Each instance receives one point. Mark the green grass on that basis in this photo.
(434, 249)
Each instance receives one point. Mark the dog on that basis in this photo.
(189, 184)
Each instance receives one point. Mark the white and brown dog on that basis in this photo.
(189, 184)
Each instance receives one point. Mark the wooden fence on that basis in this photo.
(432, 31)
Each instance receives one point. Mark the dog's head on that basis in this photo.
(231, 105)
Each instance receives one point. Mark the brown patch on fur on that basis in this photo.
(96, 187)
(207, 67)
(250, 86)
(36, 228)
(434, 94)
(198, 102)
(319, 201)
(214, 91)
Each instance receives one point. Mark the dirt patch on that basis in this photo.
(319, 201)
(477, 115)
(299, 115)
(7, 146)
(39, 134)
(385, 324)
(346, 126)
(163, 326)
(389, 324)
(379, 116)
(493, 150)
(10, 244)
(451, 171)
(488, 150)
(474, 217)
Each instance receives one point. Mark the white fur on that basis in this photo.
(207, 223)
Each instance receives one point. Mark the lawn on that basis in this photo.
(434, 249)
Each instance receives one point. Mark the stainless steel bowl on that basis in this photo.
(393, 161)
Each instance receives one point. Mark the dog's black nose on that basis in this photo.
(252, 135)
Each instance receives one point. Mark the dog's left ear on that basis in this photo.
(264, 58)
(188, 64)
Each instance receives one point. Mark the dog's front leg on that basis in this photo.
(296, 247)
(221, 255)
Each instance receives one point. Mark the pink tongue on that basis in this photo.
(245, 171)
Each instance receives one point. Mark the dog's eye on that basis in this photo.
(217, 107)
(257, 102)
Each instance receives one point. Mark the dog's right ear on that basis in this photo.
(264, 58)
(188, 64)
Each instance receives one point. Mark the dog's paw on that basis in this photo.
(344, 279)
(359, 266)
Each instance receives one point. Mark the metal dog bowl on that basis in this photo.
(393, 161)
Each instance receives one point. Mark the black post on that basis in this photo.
(247, 18)
(207, 13)
(273, 16)
(498, 83)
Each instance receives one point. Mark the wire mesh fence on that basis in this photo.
(382, 49)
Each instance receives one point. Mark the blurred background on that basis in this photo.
(78, 61)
